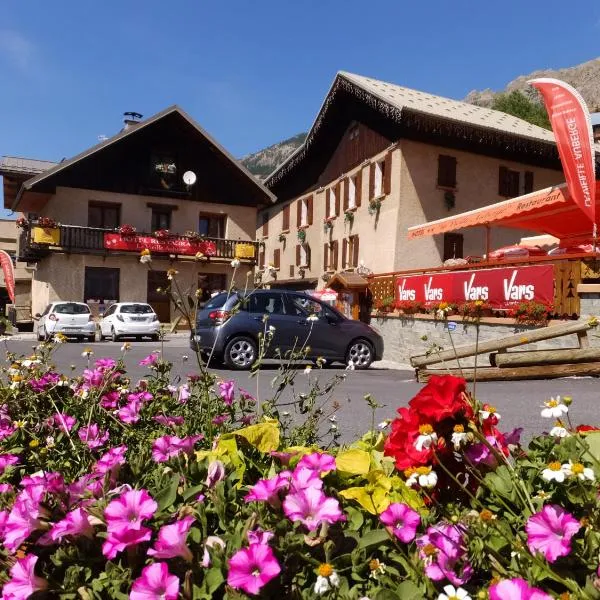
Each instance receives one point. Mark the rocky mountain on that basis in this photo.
(263, 162)
(584, 77)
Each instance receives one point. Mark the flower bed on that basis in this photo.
(116, 489)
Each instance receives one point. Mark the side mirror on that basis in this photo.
(37, 316)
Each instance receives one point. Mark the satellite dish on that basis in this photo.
(189, 178)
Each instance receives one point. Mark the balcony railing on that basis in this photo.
(36, 243)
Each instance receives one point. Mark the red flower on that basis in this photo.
(586, 428)
(443, 397)
(401, 442)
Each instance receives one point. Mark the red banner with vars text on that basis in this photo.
(173, 245)
(500, 288)
(572, 127)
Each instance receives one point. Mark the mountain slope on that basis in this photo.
(265, 161)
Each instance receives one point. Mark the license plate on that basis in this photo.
(138, 318)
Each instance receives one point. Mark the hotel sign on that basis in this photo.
(174, 245)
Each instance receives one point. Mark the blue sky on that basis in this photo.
(254, 73)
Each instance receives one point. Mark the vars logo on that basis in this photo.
(432, 294)
(406, 294)
(517, 292)
(473, 292)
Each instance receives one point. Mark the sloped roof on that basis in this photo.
(31, 183)
(401, 101)
(24, 166)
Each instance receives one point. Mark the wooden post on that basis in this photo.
(488, 242)
(545, 357)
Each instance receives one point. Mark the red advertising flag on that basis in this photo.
(572, 127)
(9, 274)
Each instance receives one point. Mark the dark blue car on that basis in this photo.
(228, 328)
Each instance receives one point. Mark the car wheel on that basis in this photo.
(359, 354)
(240, 353)
(113, 336)
(91, 338)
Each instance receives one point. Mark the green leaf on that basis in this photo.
(593, 442)
(407, 590)
(353, 462)
(388, 595)
(166, 497)
(374, 537)
(193, 491)
(213, 579)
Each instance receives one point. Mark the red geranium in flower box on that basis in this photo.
(22, 222)
(162, 234)
(46, 223)
(127, 230)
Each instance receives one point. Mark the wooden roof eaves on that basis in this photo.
(29, 183)
(396, 114)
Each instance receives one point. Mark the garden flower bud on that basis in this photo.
(567, 400)
(216, 473)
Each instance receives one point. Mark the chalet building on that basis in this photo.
(162, 184)
(380, 158)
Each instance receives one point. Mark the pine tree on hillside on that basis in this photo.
(517, 104)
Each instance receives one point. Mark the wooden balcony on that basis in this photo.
(35, 243)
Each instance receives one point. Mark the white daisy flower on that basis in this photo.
(578, 470)
(326, 582)
(488, 411)
(554, 409)
(145, 258)
(559, 431)
(554, 472)
(383, 425)
(423, 476)
(459, 436)
(307, 370)
(452, 593)
(427, 436)
(87, 352)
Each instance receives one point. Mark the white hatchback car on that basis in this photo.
(135, 319)
(73, 319)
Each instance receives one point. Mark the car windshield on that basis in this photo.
(71, 308)
(138, 309)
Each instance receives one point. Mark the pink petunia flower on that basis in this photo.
(76, 523)
(23, 520)
(187, 443)
(130, 413)
(62, 421)
(7, 460)
(118, 540)
(252, 568)
(23, 581)
(215, 473)
(227, 392)
(318, 461)
(155, 583)
(401, 521)
(149, 361)
(550, 531)
(129, 510)
(6, 488)
(171, 540)
(105, 364)
(165, 448)
(516, 589)
(259, 536)
(92, 436)
(93, 378)
(183, 393)
(267, 490)
(110, 400)
(303, 477)
(311, 507)
(220, 419)
(109, 461)
(168, 421)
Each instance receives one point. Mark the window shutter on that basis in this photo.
(309, 210)
(325, 256)
(387, 176)
(265, 227)
(355, 252)
(346, 194)
(297, 255)
(327, 202)
(277, 258)
(344, 253)
(502, 177)
(528, 182)
(334, 259)
(286, 218)
(299, 213)
(337, 200)
(261, 258)
(307, 247)
(371, 181)
(291, 270)
(358, 187)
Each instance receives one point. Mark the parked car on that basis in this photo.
(229, 325)
(135, 319)
(73, 319)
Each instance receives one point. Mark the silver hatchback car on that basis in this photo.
(72, 319)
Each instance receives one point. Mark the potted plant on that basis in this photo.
(385, 305)
(349, 217)
(162, 234)
(127, 230)
(22, 223)
(374, 206)
(301, 236)
(327, 225)
(46, 223)
(193, 236)
(282, 238)
(475, 310)
(532, 313)
(409, 307)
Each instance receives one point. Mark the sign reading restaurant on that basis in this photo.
(500, 288)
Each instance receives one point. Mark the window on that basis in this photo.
(107, 216)
(264, 219)
(266, 303)
(261, 257)
(285, 226)
(379, 175)
(305, 211)
(330, 256)
(332, 202)
(351, 182)
(350, 252)
(453, 245)
(277, 258)
(136, 309)
(161, 219)
(101, 283)
(528, 182)
(291, 270)
(446, 171)
(302, 255)
(211, 225)
(508, 183)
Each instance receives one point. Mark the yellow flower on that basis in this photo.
(145, 252)
(325, 570)
(34, 443)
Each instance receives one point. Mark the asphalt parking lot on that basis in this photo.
(390, 384)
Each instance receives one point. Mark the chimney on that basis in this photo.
(131, 119)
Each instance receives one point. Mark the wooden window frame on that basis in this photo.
(285, 219)
(446, 175)
(160, 209)
(219, 216)
(264, 217)
(108, 205)
(277, 258)
(509, 182)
